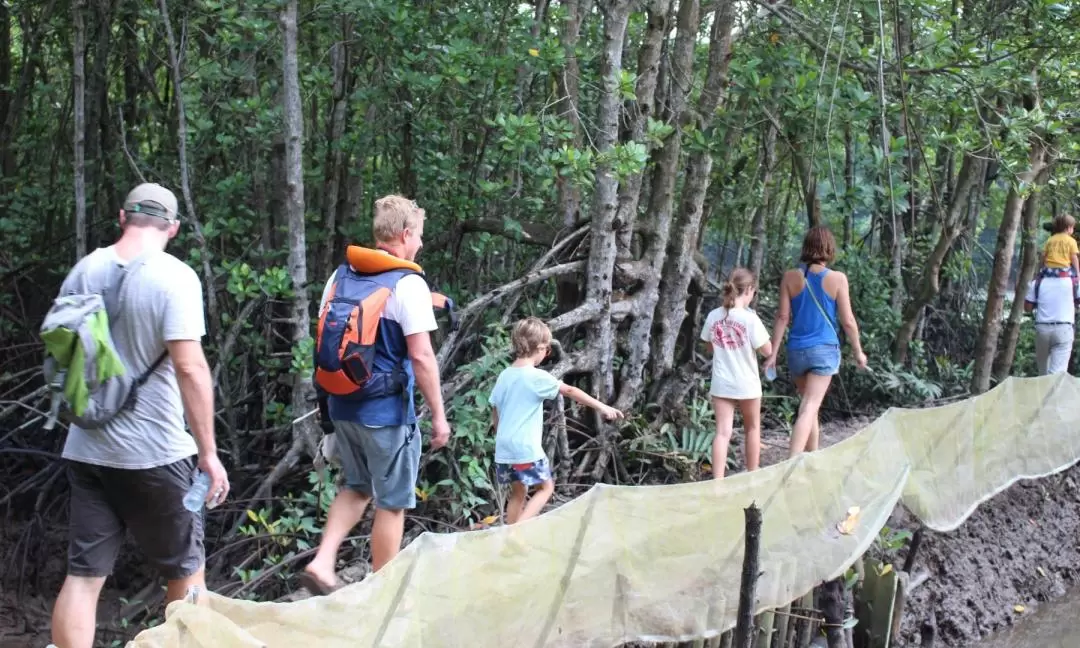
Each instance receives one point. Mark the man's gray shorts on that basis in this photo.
(1053, 347)
(380, 461)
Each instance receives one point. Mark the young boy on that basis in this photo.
(518, 415)
(1061, 250)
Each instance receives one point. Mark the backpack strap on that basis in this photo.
(130, 269)
(809, 289)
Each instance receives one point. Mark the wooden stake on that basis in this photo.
(782, 623)
(913, 549)
(765, 622)
(744, 625)
(804, 627)
(726, 639)
(832, 606)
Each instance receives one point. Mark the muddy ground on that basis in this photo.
(1020, 548)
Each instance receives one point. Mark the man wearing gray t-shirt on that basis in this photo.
(132, 473)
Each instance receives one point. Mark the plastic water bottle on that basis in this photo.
(770, 373)
(195, 498)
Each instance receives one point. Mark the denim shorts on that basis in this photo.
(530, 474)
(820, 360)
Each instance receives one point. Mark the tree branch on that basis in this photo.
(448, 346)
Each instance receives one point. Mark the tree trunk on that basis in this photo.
(302, 393)
(661, 198)
(995, 293)
(758, 234)
(971, 173)
(644, 107)
(335, 156)
(97, 121)
(78, 84)
(602, 248)
(678, 266)
(567, 81)
(1029, 263)
(5, 62)
(213, 321)
(32, 37)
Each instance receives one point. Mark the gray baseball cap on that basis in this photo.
(153, 200)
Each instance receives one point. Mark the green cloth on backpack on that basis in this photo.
(64, 345)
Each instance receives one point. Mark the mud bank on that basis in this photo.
(1020, 548)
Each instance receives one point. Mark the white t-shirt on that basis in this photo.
(1055, 303)
(735, 336)
(409, 304)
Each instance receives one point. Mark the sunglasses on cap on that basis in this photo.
(151, 208)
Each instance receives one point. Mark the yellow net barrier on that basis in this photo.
(663, 563)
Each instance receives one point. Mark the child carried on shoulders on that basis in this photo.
(517, 402)
(1061, 255)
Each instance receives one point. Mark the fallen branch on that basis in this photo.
(498, 293)
(23, 403)
(542, 263)
(521, 232)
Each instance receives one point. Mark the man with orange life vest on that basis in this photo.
(376, 316)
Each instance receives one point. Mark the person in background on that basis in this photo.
(734, 334)
(1061, 251)
(517, 403)
(812, 299)
(1052, 297)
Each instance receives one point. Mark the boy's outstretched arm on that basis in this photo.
(609, 412)
(494, 418)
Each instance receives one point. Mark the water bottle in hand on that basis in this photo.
(196, 495)
(770, 373)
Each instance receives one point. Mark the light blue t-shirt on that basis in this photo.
(519, 396)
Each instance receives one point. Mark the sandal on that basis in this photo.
(315, 586)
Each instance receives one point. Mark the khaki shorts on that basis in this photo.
(107, 502)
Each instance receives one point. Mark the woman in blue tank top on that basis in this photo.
(814, 299)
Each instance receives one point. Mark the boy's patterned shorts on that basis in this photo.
(530, 474)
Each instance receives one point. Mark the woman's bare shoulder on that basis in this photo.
(793, 280)
(837, 276)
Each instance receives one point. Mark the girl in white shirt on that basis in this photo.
(734, 333)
